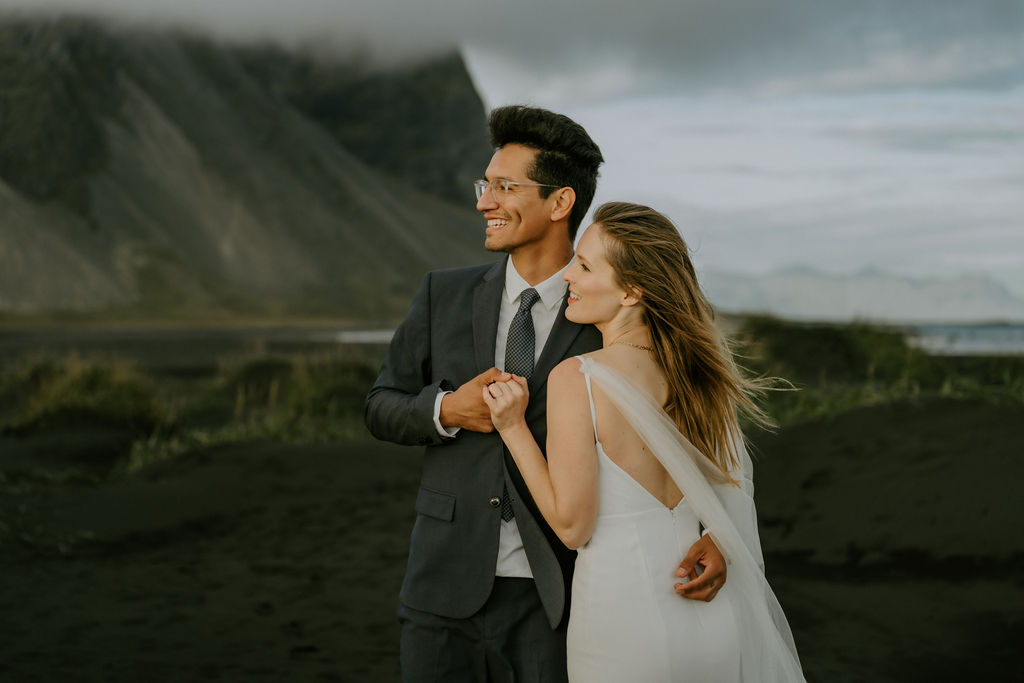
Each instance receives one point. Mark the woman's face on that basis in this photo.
(594, 293)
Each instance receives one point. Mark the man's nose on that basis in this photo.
(486, 201)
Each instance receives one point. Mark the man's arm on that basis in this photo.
(400, 405)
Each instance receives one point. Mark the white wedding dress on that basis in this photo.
(626, 621)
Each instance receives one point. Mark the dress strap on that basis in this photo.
(585, 369)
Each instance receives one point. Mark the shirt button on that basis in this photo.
(495, 502)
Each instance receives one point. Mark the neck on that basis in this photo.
(631, 331)
(537, 265)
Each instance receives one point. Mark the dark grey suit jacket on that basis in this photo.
(446, 339)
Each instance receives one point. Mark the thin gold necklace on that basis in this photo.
(635, 346)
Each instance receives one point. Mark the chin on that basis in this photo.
(573, 315)
(495, 245)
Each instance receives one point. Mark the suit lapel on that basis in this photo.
(563, 334)
(486, 306)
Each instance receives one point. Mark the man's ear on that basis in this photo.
(565, 199)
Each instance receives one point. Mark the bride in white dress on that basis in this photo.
(645, 452)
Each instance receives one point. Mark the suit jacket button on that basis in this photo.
(495, 502)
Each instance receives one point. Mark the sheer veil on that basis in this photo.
(767, 650)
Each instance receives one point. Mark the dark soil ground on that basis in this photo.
(891, 533)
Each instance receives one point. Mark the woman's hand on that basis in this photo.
(507, 397)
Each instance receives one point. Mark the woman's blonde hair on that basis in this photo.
(706, 390)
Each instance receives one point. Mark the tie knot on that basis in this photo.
(527, 299)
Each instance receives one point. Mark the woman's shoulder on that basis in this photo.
(573, 365)
(566, 369)
(570, 371)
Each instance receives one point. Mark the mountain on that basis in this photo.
(804, 294)
(149, 173)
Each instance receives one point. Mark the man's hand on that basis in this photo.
(703, 553)
(465, 407)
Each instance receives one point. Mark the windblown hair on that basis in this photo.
(566, 156)
(706, 390)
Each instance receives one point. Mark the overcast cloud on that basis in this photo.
(773, 46)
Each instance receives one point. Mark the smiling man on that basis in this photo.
(485, 595)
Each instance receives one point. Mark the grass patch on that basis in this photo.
(317, 396)
(301, 398)
(839, 367)
(307, 398)
(44, 395)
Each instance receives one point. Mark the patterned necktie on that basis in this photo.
(519, 360)
(520, 347)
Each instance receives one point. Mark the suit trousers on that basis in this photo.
(508, 639)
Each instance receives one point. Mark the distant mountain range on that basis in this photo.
(157, 173)
(871, 295)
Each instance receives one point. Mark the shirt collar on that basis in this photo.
(551, 291)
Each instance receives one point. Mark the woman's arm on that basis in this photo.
(565, 485)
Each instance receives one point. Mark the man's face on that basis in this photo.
(522, 217)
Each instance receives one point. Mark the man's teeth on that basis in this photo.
(497, 223)
(574, 297)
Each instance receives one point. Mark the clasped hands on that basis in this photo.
(467, 408)
(496, 400)
(506, 397)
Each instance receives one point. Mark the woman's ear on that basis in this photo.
(565, 199)
(633, 296)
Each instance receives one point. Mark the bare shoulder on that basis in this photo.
(566, 375)
(568, 371)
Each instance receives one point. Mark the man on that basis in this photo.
(486, 589)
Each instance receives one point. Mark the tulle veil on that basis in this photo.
(767, 651)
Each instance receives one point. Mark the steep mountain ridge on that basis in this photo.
(154, 173)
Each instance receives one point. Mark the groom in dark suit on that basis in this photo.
(485, 595)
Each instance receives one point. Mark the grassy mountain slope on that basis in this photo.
(162, 174)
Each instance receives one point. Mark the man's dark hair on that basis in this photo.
(566, 156)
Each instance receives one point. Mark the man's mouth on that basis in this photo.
(573, 296)
(496, 223)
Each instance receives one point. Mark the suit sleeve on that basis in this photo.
(400, 405)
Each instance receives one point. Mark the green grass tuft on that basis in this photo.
(44, 395)
(313, 398)
(839, 367)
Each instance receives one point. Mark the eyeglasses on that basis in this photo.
(499, 188)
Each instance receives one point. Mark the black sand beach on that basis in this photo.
(890, 532)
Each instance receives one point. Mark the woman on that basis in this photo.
(644, 449)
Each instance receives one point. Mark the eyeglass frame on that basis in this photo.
(482, 184)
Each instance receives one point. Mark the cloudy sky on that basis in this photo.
(827, 134)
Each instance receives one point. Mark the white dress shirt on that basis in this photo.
(511, 555)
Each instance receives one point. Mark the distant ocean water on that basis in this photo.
(969, 340)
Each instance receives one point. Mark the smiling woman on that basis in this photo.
(644, 452)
